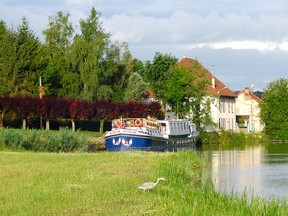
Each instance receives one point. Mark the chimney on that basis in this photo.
(213, 82)
(247, 90)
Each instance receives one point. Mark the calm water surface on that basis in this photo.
(262, 169)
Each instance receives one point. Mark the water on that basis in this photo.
(262, 170)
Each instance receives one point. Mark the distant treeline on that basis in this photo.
(56, 108)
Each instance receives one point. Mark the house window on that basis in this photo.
(222, 105)
(230, 106)
(222, 124)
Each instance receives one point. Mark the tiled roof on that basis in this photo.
(220, 89)
(247, 92)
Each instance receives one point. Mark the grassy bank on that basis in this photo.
(106, 184)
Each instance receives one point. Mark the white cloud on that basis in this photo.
(239, 37)
(235, 31)
(262, 46)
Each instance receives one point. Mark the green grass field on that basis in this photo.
(106, 184)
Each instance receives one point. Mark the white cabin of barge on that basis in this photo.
(159, 128)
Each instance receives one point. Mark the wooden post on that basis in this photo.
(41, 94)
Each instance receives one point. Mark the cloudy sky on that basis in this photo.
(240, 42)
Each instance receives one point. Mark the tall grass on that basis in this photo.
(106, 184)
(63, 140)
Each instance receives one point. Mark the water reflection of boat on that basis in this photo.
(150, 134)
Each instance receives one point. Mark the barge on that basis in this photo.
(149, 134)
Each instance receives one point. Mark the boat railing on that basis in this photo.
(135, 122)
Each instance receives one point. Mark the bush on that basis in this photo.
(234, 138)
(42, 141)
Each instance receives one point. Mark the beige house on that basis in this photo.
(227, 108)
(248, 112)
(222, 100)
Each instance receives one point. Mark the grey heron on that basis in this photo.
(149, 185)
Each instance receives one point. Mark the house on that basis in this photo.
(222, 100)
(227, 109)
(248, 111)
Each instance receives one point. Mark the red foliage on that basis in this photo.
(102, 110)
(155, 110)
(26, 107)
(80, 110)
(7, 103)
(54, 107)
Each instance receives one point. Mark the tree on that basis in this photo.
(86, 56)
(156, 72)
(78, 110)
(52, 108)
(58, 38)
(26, 107)
(186, 89)
(29, 62)
(6, 105)
(102, 110)
(117, 67)
(274, 109)
(7, 59)
(136, 89)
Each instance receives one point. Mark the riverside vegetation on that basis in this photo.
(105, 183)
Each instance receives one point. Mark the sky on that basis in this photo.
(243, 43)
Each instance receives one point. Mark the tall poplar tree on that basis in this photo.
(86, 57)
(58, 38)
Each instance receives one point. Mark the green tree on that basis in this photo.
(156, 73)
(136, 89)
(30, 62)
(186, 91)
(58, 37)
(8, 75)
(21, 60)
(274, 109)
(116, 70)
(85, 59)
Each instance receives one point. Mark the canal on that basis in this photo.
(260, 170)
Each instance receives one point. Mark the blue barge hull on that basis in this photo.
(126, 142)
(151, 135)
